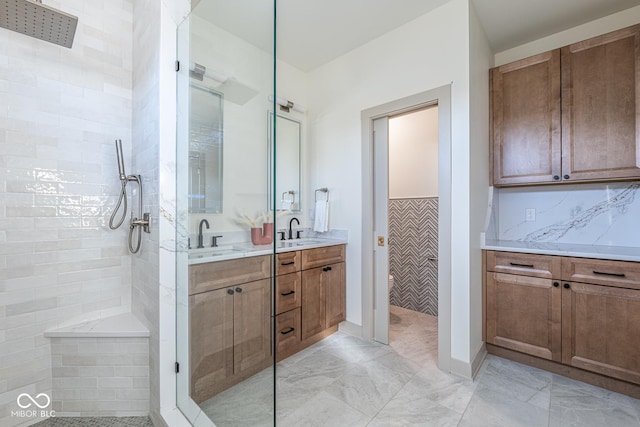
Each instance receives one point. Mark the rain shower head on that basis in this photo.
(37, 20)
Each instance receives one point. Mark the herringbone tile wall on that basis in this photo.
(413, 253)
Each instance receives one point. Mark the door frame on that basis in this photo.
(442, 97)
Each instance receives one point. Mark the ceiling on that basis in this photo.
(313, 32)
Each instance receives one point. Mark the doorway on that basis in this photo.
(376, 216)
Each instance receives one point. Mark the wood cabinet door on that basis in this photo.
(313, 302)
(525, 120)
(210, 342)
(600, 107)
(524, 314)
(334, 281)
(601, 329)
(251, 324)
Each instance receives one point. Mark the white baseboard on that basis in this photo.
(476, 363)
(469, 370)
(351, 329)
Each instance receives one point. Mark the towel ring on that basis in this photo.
(322, 190)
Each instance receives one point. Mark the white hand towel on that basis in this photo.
(321, 222)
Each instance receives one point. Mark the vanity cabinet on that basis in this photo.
(229, 324)
(323, 290)
(310, 297)
(578, 312)
(288, 301)
(568, 115)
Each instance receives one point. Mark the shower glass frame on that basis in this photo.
(185, 56)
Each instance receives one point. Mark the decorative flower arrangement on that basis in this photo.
(260, 235)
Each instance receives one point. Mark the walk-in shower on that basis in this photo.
(35, 19)
(136, 224)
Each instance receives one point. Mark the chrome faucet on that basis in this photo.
(205, 222)
(291, 231)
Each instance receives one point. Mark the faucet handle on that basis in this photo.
(281, 233)
(298, 233)
(214, 241)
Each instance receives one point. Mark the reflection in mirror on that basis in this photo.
(205, 150)
(287, 164)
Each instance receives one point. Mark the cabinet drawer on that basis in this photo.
(288, 292)
(288, 262)
(318, 257)
(624, 274)
(545, 266)
(287, 332)
(220, 274)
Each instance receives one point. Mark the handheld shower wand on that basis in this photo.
(120, 158)
(123, 189)
(135, 221)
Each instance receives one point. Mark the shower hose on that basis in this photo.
(122, 201)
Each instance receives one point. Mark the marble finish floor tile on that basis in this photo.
(489, 407)
(325, 410)
(345, 381)
(96, 422)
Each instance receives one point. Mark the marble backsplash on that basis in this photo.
(604, 214)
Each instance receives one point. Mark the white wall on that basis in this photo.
(413, 154)
(429, 52)
(145, 264)
(600, 26)
(481, 59)
(59, 262)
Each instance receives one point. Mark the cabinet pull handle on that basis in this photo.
(284, 294)
(604, 273)
(329, 268)
(567, 286)
(325, 268)
(238, 290)
(556, 177)
(288, 263)
(515, 264)
(230, 291)
(287, 331)
(556, 284)
(566, 177)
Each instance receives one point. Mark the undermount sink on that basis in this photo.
(298, 242)
(212, 252)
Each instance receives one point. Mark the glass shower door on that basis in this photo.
(224, 280)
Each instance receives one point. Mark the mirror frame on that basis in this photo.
(271, 186)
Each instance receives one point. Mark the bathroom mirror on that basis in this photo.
(287, 163)
(205, 150)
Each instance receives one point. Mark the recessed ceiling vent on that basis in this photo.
(37, 20)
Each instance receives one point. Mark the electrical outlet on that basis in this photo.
(529, 215)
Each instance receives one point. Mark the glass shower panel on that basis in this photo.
(224, 288)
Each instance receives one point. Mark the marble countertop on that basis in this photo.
(617, 253)
(246, 249)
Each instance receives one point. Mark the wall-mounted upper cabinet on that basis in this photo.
(569, 115)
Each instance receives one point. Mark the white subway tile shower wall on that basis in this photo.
(98, 377)
(592, 214)
(146, 116)
(62, 110)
